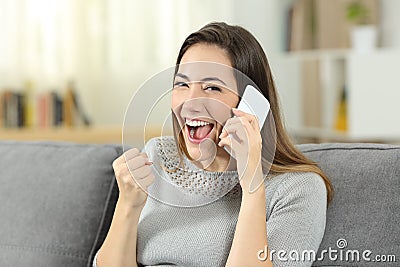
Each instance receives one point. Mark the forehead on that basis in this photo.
(206, 52)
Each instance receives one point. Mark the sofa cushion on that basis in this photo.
(365, 212)
(57, 201)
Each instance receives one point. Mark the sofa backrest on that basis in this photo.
(57, 201)
(365, 212)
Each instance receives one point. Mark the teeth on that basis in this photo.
(196, 123)
(191, 132)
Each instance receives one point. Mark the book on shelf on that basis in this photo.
(47, 109)
(341, 112)
(300, 26)
(68, 108)
(12, 109)
(73, 109)
(288, 24)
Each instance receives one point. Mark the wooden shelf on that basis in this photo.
(93, 135)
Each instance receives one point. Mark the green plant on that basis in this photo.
(358, 13)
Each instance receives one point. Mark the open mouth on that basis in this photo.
(198, 130)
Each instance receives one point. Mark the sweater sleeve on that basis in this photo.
(296, 218)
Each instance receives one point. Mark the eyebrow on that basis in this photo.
(207, 79)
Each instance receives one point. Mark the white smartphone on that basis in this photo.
(253, 102)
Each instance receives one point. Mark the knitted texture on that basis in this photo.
(180, 182)
(202, 236)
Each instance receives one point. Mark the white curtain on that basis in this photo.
(108, 47)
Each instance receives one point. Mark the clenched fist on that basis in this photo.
(133, 172)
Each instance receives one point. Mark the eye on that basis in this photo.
(212, 88)
(180, 84)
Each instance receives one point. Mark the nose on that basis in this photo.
(194, 102)
(195, 91)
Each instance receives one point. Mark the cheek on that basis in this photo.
(176, 100)
(230, 99)
(233, 101)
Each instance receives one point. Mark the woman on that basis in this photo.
(241, 228)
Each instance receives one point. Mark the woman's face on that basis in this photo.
(203, 95)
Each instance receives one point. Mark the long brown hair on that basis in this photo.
(247, 56)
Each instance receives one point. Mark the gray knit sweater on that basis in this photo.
(202, 236)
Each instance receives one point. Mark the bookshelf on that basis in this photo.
(372, 86)
(312, 74)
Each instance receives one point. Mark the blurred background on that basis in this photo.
(68, 68)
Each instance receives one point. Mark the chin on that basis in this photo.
(203, 152)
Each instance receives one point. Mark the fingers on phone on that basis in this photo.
(236, 131)
(229, 142)
(229, 127)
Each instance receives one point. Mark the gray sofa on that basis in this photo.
(57, 202)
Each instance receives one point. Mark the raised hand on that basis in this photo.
(134, 175)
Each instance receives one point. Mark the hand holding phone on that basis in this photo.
(253, 102)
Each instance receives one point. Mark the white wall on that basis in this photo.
(390, 21)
